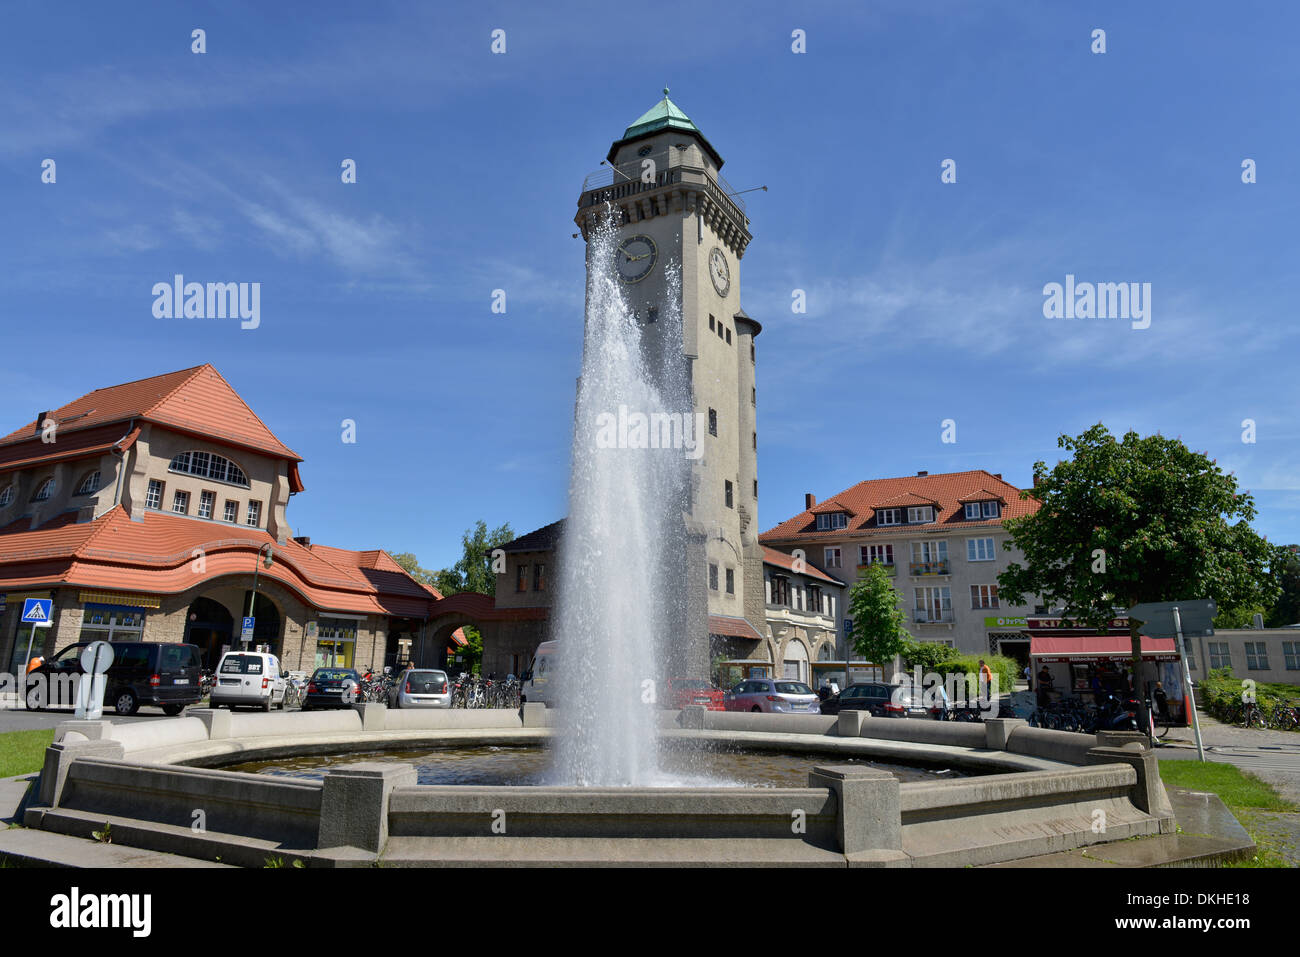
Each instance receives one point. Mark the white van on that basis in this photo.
(539, 685)
(250, 679)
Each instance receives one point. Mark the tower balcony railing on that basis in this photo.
(932, 616)
(612, 183)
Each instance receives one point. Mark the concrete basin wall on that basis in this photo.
(615, 813)
(850, 814)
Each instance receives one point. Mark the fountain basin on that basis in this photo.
(151, 783)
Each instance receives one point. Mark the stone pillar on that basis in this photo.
(374, 716)
(870, 822)
(535, 715)
(354, 804)
(997, 730)
(215, 720)
(91, 730)
(59, 757)
(691, 717)
(1148, 793)
(850, 723)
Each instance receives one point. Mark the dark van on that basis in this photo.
(161, 674)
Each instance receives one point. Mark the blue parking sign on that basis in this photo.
(246, 629)
(37, 611)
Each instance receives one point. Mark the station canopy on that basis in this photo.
(1062, 648)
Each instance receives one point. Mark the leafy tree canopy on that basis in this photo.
(1136, 520)
(878, 632)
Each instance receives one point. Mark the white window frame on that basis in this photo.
(920, 514)
(178, 497)
(984, 596)
(1219, 659)
(1291, 655)
(882, 554)
(972, 511)
(992, 509)
(253, 517)
(231, 512)
(832, 521)
(208, 502)
(833, 558)
(6, 496)
(975, 545)
(889, 516)
(90, 484)
(1257, 656)
(152, 500)
(45, 492)
(942, 601)
(926, 549)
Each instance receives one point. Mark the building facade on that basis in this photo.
(148, 510)
(939, 536)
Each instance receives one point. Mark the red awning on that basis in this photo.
(1099, 648)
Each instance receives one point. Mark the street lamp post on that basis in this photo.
(269, 560)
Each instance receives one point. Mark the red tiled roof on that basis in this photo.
(830, 507)
(83, 443)
(156, 556)
(782, 560)
(905, 499)
(732, 627)
(945, 490)
(981, 495)
(196, 400)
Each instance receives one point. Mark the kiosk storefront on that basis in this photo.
(1071, 662)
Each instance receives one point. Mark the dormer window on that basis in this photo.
(6, 496)
(89, 484)
(889, 516)
(978, 510)
(920, 514)
(831, 521)
(45, 491)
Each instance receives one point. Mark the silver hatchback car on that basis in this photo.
(421, 688)
(773, 696)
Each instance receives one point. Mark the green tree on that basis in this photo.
(411, 564)
(1286, 572)
(878, 632)
(1131, 521)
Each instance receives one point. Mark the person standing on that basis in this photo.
(986, 681)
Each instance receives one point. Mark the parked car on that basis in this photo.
(421, 688)
(248, 679)
(155, 673)
(332, 688)
(881, 699)
(538, 684)
(772, 695)
(686, 691)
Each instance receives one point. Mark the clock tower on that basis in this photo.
(681, 234)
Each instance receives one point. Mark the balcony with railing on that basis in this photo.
(609, 184)
(936, 567)
(890, 568)
(932, 616)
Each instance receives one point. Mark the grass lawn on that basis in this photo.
(22, 752)
(1243, 794)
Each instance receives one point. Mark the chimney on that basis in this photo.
(303, 540)
(40, 420)
(922, 473)
(1257, 622)
(997, 475)
(809, 500)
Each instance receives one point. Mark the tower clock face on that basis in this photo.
(635, 257)
(719, 271)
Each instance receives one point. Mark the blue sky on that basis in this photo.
(924, 299)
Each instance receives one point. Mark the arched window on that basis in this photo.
(89, 484)
(6, 496)
(209, 465)
(45, 490)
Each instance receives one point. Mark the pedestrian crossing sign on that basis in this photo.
(37, 611)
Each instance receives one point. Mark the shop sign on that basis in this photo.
(312, 630)
(1006, 622)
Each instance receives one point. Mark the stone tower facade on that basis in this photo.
(682, 233)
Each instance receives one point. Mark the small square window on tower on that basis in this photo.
(713, 577)
(711, 323)
(713, 421)
(728, 337)
(729, 493)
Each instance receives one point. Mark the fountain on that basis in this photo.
(622, 560)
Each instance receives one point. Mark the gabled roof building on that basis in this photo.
(142, 509)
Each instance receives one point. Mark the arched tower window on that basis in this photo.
(209, 465)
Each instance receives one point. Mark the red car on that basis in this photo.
(687, 691)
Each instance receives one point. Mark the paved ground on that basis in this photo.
(20, 720)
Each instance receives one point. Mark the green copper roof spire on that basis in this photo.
(663, 115)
